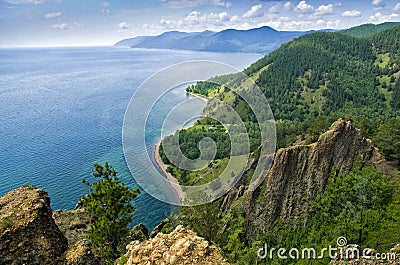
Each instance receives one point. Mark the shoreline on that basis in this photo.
(163, 169)
(206, 100)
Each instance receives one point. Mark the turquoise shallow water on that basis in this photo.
(62, 110)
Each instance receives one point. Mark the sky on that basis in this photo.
(44, 23)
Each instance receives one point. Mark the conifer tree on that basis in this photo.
(109, 204)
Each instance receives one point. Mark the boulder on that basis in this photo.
(181, 246)
(28, 233)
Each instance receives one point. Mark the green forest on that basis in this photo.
(310, 82)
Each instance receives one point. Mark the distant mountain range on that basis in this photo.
(257, 40)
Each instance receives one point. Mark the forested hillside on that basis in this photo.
(310, 82)
(369, 29)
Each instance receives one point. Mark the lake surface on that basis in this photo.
(62, 109)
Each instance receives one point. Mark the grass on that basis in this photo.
(204, 175)
(388, 95)
(257, 74)
(122, 260)
(382, 60)
(312, 97)
(7, 223)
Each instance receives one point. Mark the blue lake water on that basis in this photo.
(62, 109)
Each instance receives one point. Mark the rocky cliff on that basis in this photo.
(182, 246)
(31, 233)
(28, 233)
(300, 173)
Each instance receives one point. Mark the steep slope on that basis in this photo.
(369, 29)
(28, 234)
(339, 184)
(315, 79)
(319, 73)
(261, 40)
(169, 40)
(300, 173)
(325, 73)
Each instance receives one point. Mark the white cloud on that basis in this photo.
(287, 6)
(221, 3)
(376, 17)
(196, 21)
(106, 11)
(18, 2)
(324, 10)
(397, 7)
(105, 4)
(223, 16)
(183, 3)
(123, 25)
(274, 9)
(193, 3)
(53, 15)
(303, 7)
(61, 26)
(352, 13)
(234, 19)
(380, 18)
(193, 17)
(312, 17)
(333, 24)
(170, 24)
(254, 11)
(64, 26)
(377, 2)
(196, 18)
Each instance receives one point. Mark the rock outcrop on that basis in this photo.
(80, 253)
(300, 173)
(75, 224)
(182, 246)
(138, 232)
(28, 233)
(158, 228)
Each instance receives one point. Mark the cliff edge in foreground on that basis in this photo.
(28, 233)
(182, 246)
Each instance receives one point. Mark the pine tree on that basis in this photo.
(109, 204)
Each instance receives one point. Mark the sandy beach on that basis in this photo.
(163, 168)
(199, 97)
